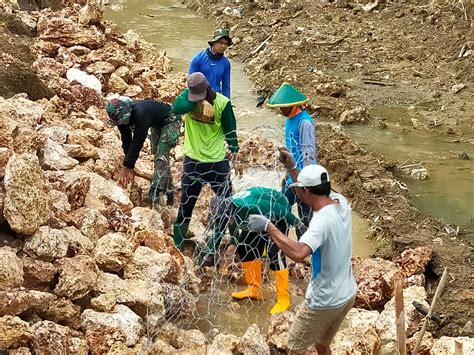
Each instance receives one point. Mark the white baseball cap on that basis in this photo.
(311, 175)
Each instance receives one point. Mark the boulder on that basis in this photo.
(75, 186)
(21, 110)
(117, 84)
(54, 157)
(358, 334)
(20, 351)
(446, 345)
(122, 318)
(149, 265)
(279, 330)
(13, 332)
(146, 218)
(385, 324)
(100, 68)
(47, 244)
(181, 341)
(145, 298)
(60, 311)
(18, 301)
(104, 302)
(60, 208)
(90, 222)
(179, 303)
(118, 220)
(83, 97)
(414, 261)
(37, 272)
(101, 339)
(253, 342)
(68, 32)
(11, 269)
(113, 251)
(224, 344)
(26, 204)
(5, 154)
(374, 278)
(77, 276)
(56, 133)
(78, 242)
(50, 338)
(77, 346)
(158, 241)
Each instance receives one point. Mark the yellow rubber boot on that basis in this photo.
(253, 278)
(283, 293)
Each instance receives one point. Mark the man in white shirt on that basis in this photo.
(331, 292)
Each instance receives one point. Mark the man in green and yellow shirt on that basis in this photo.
(209, 123)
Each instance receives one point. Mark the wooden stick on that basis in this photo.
(439, 289)
(400, 314)
(261, 45)
(458, 348)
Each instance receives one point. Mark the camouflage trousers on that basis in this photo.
(162, 141)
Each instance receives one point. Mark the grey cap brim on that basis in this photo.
(196, 97)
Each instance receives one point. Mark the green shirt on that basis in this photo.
(264, 201)
(204, 139)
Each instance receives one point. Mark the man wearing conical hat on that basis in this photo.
(213, 64)
(300, 138)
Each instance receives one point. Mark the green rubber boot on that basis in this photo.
(179, 234)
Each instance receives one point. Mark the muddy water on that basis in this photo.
(449, 192)
(181, 33)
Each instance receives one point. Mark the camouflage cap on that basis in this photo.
(119, 110)
(221, 33)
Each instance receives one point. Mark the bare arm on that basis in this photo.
(294, 250)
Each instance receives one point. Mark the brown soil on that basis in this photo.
(412, 50)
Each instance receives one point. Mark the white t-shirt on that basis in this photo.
(330, 238)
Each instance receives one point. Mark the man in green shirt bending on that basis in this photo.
(209, 123)
(251, 245)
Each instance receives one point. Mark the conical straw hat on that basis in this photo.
(286, 96)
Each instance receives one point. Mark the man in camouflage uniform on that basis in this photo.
(134, 119)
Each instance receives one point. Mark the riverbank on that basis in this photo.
(307, 43)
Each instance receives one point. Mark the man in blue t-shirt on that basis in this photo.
(332, 290)
(212, 63)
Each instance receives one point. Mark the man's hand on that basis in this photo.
(258, 223)
(286, 158)
(126, 176)
(238, 167)
(207, 108)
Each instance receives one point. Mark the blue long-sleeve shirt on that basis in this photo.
(216, 71)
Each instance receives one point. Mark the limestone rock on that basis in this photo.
(90, 222)
(386, 322)
(50, 338)
(18, 301)
(47, 244)
(26, 205)
(117, 84)
(179, 303)
(279, 330)
(158, 241)
(60, 311)
(60, 208)
(146, 218)
(13, 332)
(21, 110)
(100, 68)
(358, 334)
(77, 346)
(118, 220)
(446, 345)
(78, 242)
(101, 338)
(104, 302)
(20, 351)
(133, 90)
(333, 89)
(181, 341)
(11, 269)
(225, 344)
(82, 97)
(67, 32)
(413, 261)
(145, 298)
(147, 264)
(74, 185)
(253, 342)
(374, 281)
(37, 272)
(77, 276)
(54, 157)
(56, 133)
(122, 318)
(113, 251)
(5, 154)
